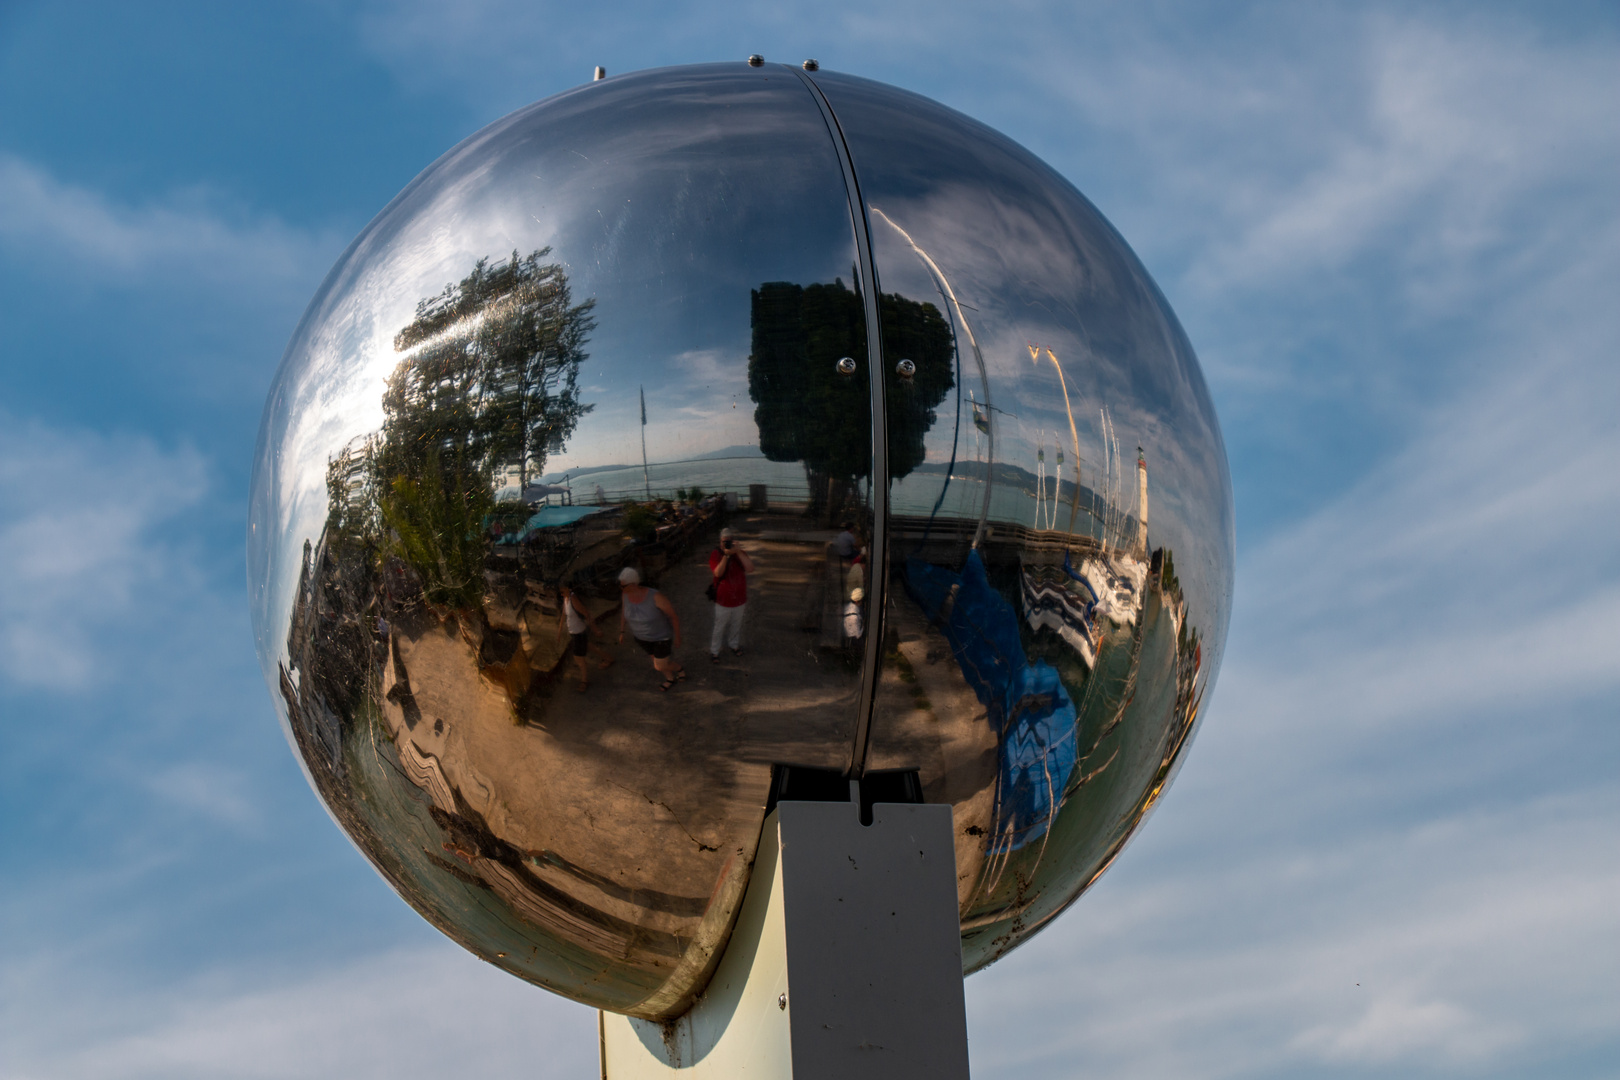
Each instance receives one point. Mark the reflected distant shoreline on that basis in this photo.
(728, 453)
(1012, 499)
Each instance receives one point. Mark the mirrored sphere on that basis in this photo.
(715, 434)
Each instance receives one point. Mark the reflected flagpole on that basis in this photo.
(646, 482)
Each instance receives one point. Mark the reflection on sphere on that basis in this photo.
(614, 324)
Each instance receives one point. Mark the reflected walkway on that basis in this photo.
(636, 802)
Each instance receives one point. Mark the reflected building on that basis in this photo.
(803, 307)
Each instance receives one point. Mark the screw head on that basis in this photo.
(906, 369)
(846, 366)
(781, 1000)
(756, 61)
(812, 65)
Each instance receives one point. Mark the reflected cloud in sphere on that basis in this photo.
(986, 562)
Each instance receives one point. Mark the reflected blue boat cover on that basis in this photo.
(1028, 706)
(549, 517)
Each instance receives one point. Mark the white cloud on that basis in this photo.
(1397, 1026)
(1460, 142)
(81, 561)
(1283, 140)
(1478, 941)
(1470, 566)
(45, 220)
(1303, 181)
(427, 1013)
(707, 368)
(1347, 205)
(215, 791)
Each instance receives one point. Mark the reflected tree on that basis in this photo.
(488, 382)
(913, 331)
(490, 374)
(806, 411)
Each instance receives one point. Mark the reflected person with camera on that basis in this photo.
(730, 566)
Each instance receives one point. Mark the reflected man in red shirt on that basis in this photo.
(730, 565)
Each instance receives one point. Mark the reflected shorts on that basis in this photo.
(582, 642)
(658, 650)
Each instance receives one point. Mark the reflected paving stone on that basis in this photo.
(615, 323)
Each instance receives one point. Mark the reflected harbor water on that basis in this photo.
(612, 325)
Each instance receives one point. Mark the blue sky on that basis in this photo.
(1392, 233)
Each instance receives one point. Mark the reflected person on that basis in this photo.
(576, 619)
(846, 545)
(730, 565)
(854, 615)
(652, 621)
(850, 547)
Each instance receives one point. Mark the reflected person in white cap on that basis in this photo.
(651, 620)
(854, 616)
(730, 566)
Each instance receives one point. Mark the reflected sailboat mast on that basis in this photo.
(1040, 474)
(1074, 433)
(1110, 516)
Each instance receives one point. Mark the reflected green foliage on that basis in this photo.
(435, 524)
(489, 378)
(488, 382)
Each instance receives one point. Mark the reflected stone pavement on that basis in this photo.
(929, 391)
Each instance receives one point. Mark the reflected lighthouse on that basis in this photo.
(1141, 504)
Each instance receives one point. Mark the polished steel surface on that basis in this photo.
(1050, 641)
(608, 326)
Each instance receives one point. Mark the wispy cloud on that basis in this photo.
(1382, 793)
(192, 293)
(422, 1012)
(217, 792)
(1461, 148)
(80, 546)
(1470, 943)
(44, 219)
